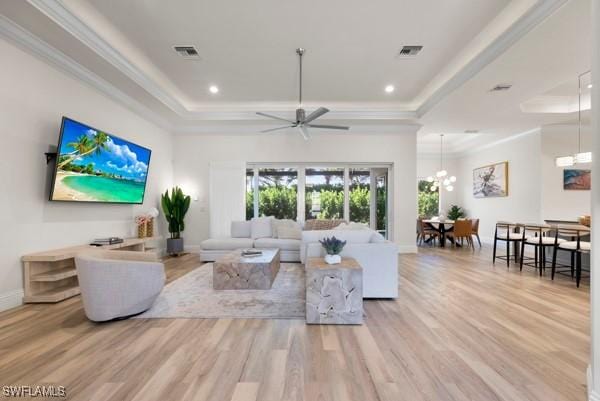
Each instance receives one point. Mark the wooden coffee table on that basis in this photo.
(334, 292)
(234, 272)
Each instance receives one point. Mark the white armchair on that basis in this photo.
(118, 284)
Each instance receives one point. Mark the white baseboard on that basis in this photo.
(407, 249)
(11, 299)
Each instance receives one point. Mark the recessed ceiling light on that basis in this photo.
(590, 86)
(389, 88)
(213, 89)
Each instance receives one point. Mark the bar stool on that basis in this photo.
(508, 232)
(536, 235)
(575, 247)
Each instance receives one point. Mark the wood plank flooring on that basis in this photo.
(461, 329)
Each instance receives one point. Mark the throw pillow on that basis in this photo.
(276, 224)
(289, 233)
(241, 229)
(352, 226)
(261, 227)
(377, 238)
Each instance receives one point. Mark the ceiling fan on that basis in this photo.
(303, 121)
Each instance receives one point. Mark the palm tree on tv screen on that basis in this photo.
(85, 146)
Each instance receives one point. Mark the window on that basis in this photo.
(278, 193)
(324, 194)
(429, 201)
(357, 193)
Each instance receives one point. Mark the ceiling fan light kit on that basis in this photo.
(303, 121)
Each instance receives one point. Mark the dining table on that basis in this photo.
(441, 226)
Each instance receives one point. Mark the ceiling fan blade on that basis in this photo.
(315, 114)
(275, 117)
(328, 126)
(277, 129)
(304, 132)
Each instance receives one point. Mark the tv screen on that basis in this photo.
(94, 166)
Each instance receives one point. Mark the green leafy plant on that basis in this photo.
(175, 207)
(456, 212)
(333, 246)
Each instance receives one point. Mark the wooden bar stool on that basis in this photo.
(509, 233)
(536, 235)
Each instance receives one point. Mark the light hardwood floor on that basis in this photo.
(461, 329)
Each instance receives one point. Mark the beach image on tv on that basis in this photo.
(93, 166)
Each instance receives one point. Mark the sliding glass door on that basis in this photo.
(357, 193)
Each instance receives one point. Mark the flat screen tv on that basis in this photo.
(94, 166)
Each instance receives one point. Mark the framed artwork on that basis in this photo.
(491, 181)
(577, 180)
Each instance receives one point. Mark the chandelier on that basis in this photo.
(441, 179)
(579, 157)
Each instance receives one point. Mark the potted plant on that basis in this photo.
(456, 212)
(175, 207)
(333, 247)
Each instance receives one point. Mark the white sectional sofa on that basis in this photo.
(377, 256)
(260, 233)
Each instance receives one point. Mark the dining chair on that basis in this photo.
(463, 229)
(475, 230)
(509, 233)
(576, 247)
(424, 232)
(537, 235)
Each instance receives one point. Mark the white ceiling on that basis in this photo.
(247, 49)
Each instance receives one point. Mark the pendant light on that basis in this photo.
(441, 178)
(579, 157)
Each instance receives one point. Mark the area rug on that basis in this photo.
(192, 296)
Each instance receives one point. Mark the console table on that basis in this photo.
(51, 276)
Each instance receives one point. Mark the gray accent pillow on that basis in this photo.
(241, 229)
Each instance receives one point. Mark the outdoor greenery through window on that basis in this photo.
(276, 191)
(429, 201)
(324, 197)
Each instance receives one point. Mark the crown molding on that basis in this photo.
(539, 12)
(34, 45)
(398, 128)
(475, 149)
(59, 13)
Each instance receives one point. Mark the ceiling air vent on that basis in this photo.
(410, 51)
(501, 87)
(471, 131)
(187, 52)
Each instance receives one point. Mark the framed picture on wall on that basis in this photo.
(577, 180)
(491, 181)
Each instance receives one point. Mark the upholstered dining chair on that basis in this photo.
(463, 230)
(509, 233)
(576, 247)
(475, 230)
(537, 235)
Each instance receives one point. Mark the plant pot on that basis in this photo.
(174, 246)
(333, 259)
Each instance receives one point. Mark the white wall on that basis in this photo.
(33, 99)
(524, 192)
(428, 165)
(556, 203)
(193, 153)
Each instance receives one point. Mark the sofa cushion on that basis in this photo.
(261, 227)
(282, 244)
(289, 233)
(241, 229)
(276, 224)
(377, 238)
(226, 244)
(352, 226)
